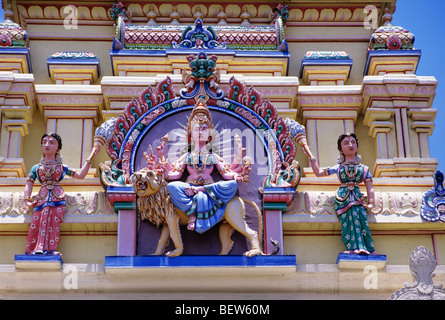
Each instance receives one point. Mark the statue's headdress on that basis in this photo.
(200, 114)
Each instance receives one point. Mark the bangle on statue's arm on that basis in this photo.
(242, 178)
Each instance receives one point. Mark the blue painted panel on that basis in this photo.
(360, 257)
(38, 258)
(199, 261)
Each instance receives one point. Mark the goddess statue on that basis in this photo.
(350, 204)
(49, 204)
(200, 197)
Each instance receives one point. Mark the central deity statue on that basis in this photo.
(199, 202)
(201, 198)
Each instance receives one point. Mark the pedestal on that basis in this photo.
(351, 261)
(38, 262)
(196, 261)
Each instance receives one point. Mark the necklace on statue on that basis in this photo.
(48, 169)
(49, 166)
(353, 172)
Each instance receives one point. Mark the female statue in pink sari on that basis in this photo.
(49, 204)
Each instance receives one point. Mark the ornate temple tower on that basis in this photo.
(286, 78)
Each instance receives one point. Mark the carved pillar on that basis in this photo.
(423, 125)
(71, 111)
(401, 117)
(126, 233)
(16, 106)
(16, 94)
(398, 108)
(123, 200)
(275, 202)
(327, 112)
(378, 121)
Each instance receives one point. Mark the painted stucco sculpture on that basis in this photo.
(50, 202)
(422, 264)
(433, 202)
(199, 36)
(199, 202)
(122, 136)
(386, 103)
(350, 205)
(389, 37)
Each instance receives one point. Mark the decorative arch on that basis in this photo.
(171, 112)
(123, 134)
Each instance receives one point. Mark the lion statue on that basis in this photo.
(155, 205)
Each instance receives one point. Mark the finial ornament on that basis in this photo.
(389, 37)
(387, 17)
(422, 264)
(198, 14)
(174, 16)
(9, 14)
(151, 16)
(245, 17)
(222, 17)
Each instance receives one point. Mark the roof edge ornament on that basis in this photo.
(199, 36)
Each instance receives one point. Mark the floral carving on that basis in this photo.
(5, 203)
(393, 42)
(407, 203)
(85, 203)
(5, 40)
(321, 202)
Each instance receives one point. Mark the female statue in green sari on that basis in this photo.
(350, 204)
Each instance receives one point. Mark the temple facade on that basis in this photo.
(286, 77)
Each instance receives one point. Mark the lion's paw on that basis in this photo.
(253, 252)
(174, 253)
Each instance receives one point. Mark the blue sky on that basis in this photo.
(425, 20)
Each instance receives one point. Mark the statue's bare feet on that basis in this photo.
(191, 223)
(56, 253)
